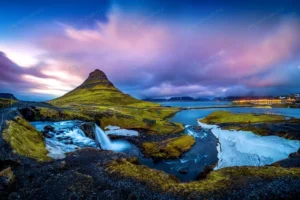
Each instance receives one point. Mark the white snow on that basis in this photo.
(244, 148)
(115, 130)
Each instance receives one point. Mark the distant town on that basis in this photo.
(290, 99)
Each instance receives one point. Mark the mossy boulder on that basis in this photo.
(170, 148)
(25, 139)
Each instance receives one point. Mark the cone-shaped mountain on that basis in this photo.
(96, 89)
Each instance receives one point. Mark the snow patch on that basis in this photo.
(244, 148)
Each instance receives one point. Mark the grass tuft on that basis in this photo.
(25, 139)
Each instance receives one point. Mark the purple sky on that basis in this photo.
(155, 52)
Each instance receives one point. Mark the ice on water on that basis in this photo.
(244, 148)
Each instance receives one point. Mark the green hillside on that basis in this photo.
(97, 96)
(96, 90)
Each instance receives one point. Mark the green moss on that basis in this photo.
(170, 148)
(151, 177)
(99, 95)
(25, 139)
(220, 117)
(217, 180)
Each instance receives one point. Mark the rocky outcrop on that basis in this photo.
(292, 161)
(89, 129)
(28, 113)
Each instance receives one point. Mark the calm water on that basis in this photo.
(185, 104)
(190, 117)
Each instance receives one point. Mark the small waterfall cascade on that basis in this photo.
(103, 139)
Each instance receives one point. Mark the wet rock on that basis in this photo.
(48, 135)
(183, 170)
(49, 128)
(48, 131)
(89, 129)
(28, 113)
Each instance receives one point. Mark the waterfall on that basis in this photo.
(103, 139)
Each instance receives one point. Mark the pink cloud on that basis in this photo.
(163, 58)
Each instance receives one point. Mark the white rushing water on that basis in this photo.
(244, 148)
(68, 137)
(107, 144)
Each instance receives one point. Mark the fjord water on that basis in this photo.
(190, 116)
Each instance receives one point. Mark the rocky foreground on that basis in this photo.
(98, 174)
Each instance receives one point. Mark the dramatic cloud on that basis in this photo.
(151, 58)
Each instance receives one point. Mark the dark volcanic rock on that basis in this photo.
(28, 113)
(81, 175)
(89, 129)
(48, 131)
(295, 155)
(49, 128)
(292, 161)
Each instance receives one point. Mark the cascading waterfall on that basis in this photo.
(106, 144)
(103, 139)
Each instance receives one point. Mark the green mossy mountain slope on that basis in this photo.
(96, 90)
(99, 97)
